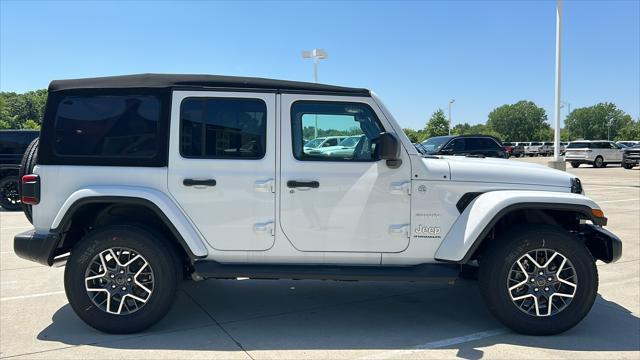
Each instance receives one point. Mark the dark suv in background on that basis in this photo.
(631, 157)
(465, 145)
(13, 143)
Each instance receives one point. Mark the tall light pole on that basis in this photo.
(557, 162)
(450, 102)
(563, 103)
(316, 55)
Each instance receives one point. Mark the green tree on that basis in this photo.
(630, 131)
(600, 121)
(522, 121)
(461, 129)
(17, 109)
(437, 125)
(411, 134)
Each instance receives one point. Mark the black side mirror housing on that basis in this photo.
(387, 147)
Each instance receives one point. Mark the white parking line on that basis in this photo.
(31, 296)
(15, 227)
(439, 344)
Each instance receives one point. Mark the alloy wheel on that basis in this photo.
(119, 281)
(542, 282)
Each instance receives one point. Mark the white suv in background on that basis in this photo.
(598, 153)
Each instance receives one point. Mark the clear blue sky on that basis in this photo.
(415, 55)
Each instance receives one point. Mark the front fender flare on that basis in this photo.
(153, 199)
(477, 219)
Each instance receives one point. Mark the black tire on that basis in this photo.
(29, 160)
(627, 166)
(599, 162)
(153, 247)
(9, 195)
(501, 255)
(575, 164)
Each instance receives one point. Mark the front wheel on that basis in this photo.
(538, 280)
(575, 164)
(9, 195)
(121, 279)
(627, 166)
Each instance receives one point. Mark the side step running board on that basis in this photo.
(425, 272)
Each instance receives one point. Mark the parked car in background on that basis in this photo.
(628, 143)
(563, 147)
(344, 149)
(322, 142)
(465, 145)
(13, 143)
(546, 149)
(631, 156)
(513, 149)
(598, 153)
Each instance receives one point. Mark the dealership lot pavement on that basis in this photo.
(263, 319)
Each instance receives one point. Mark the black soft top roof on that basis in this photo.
(199, 81)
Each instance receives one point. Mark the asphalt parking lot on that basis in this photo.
(261, 319)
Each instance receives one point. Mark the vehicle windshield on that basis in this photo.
(536, 143)
(313, 143)
(434, 144)
(350, 141)
(578, 145)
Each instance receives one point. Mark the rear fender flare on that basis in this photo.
(163, 206)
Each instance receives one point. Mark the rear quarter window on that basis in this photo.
(119, 127)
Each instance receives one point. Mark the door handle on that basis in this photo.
(303, 184)
(195, 182)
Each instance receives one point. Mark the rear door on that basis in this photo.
(222, 165)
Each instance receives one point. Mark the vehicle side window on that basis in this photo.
(337, 120)
(457, 145)
(107, 126)
(613, 146)
(223, 128)
(13, 143)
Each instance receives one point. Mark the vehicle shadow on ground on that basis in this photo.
(263, 316)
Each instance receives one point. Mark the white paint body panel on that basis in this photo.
(362, 214)
(468, 226)
(238, 212)
(359, 207)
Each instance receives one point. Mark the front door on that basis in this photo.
(340, 198)
(222, 166)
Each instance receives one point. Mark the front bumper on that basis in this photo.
(603, 244)
(33, 246)
(631, 160)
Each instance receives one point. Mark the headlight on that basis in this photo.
(576, 186)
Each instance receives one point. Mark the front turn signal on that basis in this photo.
(597, 213)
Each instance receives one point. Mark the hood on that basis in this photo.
(495, 170)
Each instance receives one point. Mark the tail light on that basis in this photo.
(30, 189)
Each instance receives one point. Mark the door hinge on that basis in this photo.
(401, 188)
(399, 229)
(265, 186)
(264, 228)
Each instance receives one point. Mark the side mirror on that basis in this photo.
(387, 147)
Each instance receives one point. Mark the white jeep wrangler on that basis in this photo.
(140, 181)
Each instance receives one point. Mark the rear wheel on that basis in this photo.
(538, 280)
(575, 164)
(9, 196)
(598, 162)
(121, 279)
